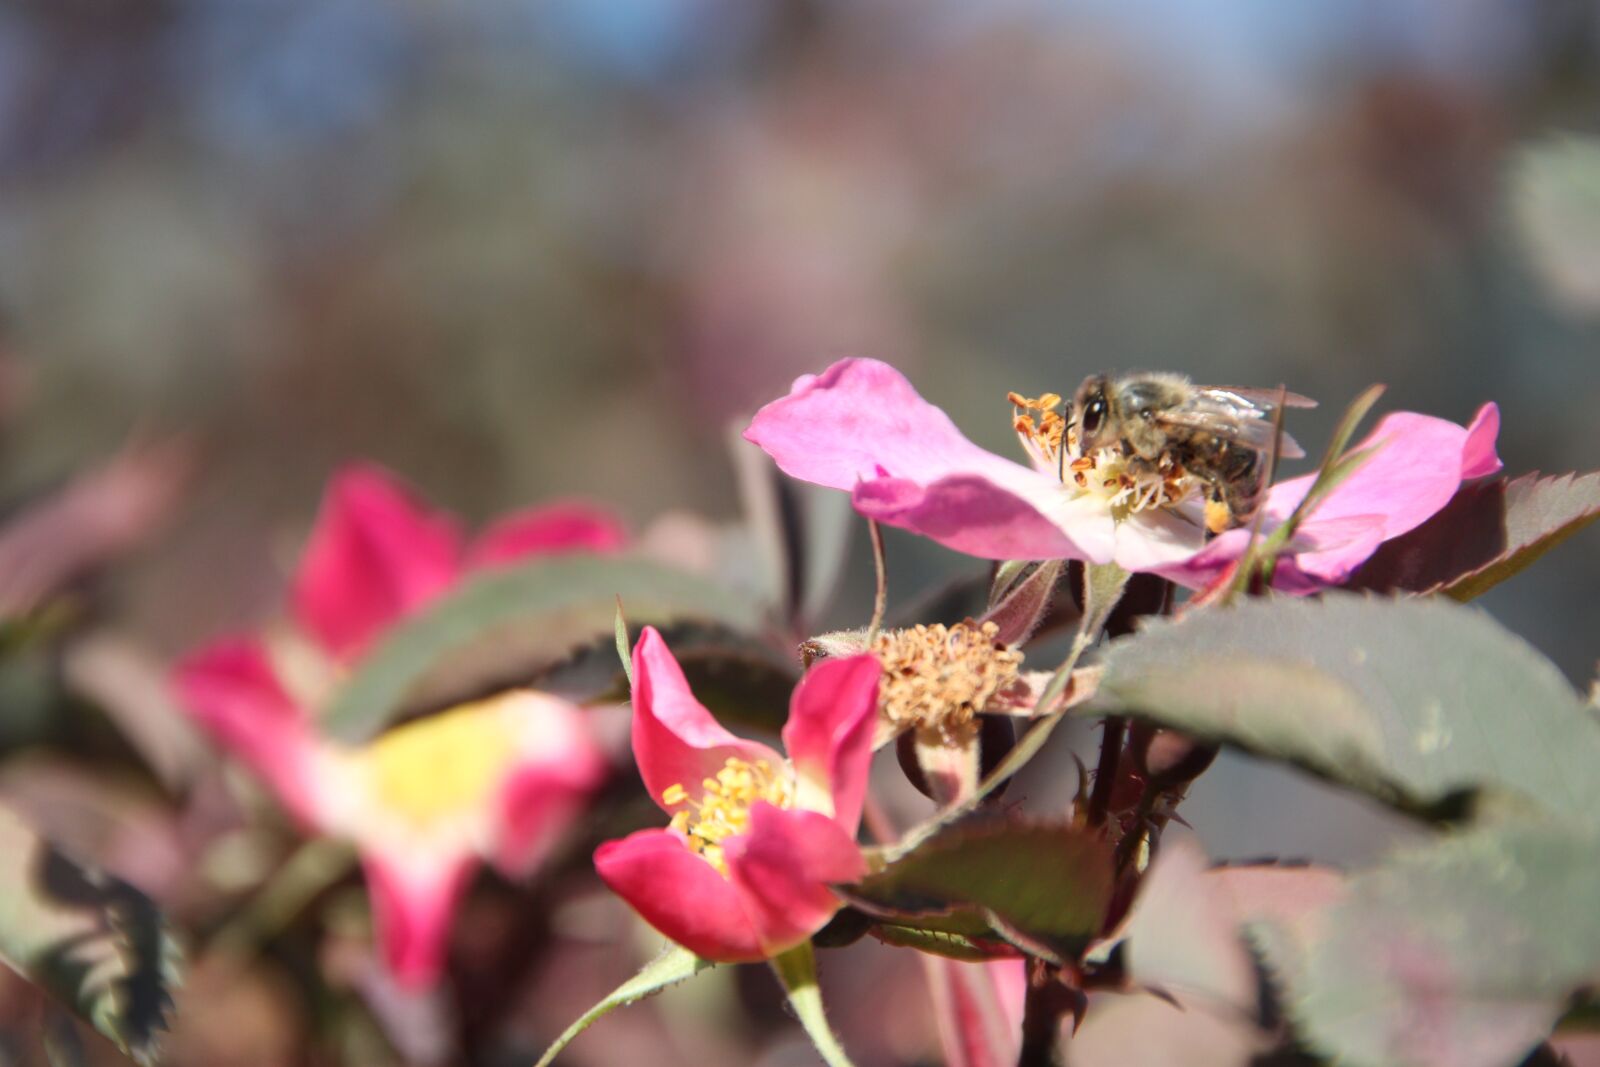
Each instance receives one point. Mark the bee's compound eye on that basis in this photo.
(1094, 414)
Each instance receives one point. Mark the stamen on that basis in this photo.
(724, 806)
(1041, 427)
(940, 676)
(1128, 485)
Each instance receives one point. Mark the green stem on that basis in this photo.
(315, 866)
(797, 970)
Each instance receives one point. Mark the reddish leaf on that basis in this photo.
(1487, 533)
(1025, 604)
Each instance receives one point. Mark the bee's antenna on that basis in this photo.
(1061, 452)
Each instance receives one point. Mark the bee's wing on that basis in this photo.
(1261, 399)
(1242, 423)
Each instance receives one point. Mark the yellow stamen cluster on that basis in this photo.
(1130, 485)
(436, 768)
(724, 805)
(940, 676)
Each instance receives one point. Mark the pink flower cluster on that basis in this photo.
(498, 780)
(755, 838)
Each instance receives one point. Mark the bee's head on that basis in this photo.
(1091, 412)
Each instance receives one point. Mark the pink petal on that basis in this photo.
(1478, 457)
(569, 526)
(1417, 465)
(829, 734)
(374, 555)
(782, 868)
(679, 894)
(1317, 549)
(675, 739)
(1326, 553)
(1153, 539)
(1029, 518)
(412, 905)
(1413, 472)
(549, 790)
(230, 688)
(976, 1026)
(860, 420)
(861, 427)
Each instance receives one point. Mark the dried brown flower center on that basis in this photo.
(941, 676)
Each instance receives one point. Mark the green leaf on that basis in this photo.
(503, 627)
(1487, 533)
(1043, 886)
(619, 629)
(797, 970)
(1463, 952)
(676, 964)
(946, 943)
(89, 939)
(1419, 703)
(1554, 191)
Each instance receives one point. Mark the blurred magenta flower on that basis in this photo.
(742, 872)
(425, 802)
(376, 555)
(861, 427)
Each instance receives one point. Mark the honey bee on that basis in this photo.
(1220, 435)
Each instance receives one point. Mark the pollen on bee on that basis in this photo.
(1218, 516)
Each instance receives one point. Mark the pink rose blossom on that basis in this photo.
(424, 803)
(861, 427)
(743, 871)
(1417, 464)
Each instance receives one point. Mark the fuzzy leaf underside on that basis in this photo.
(1421, 704)
(1460, 953)
(505, 626)
(1488, 532)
